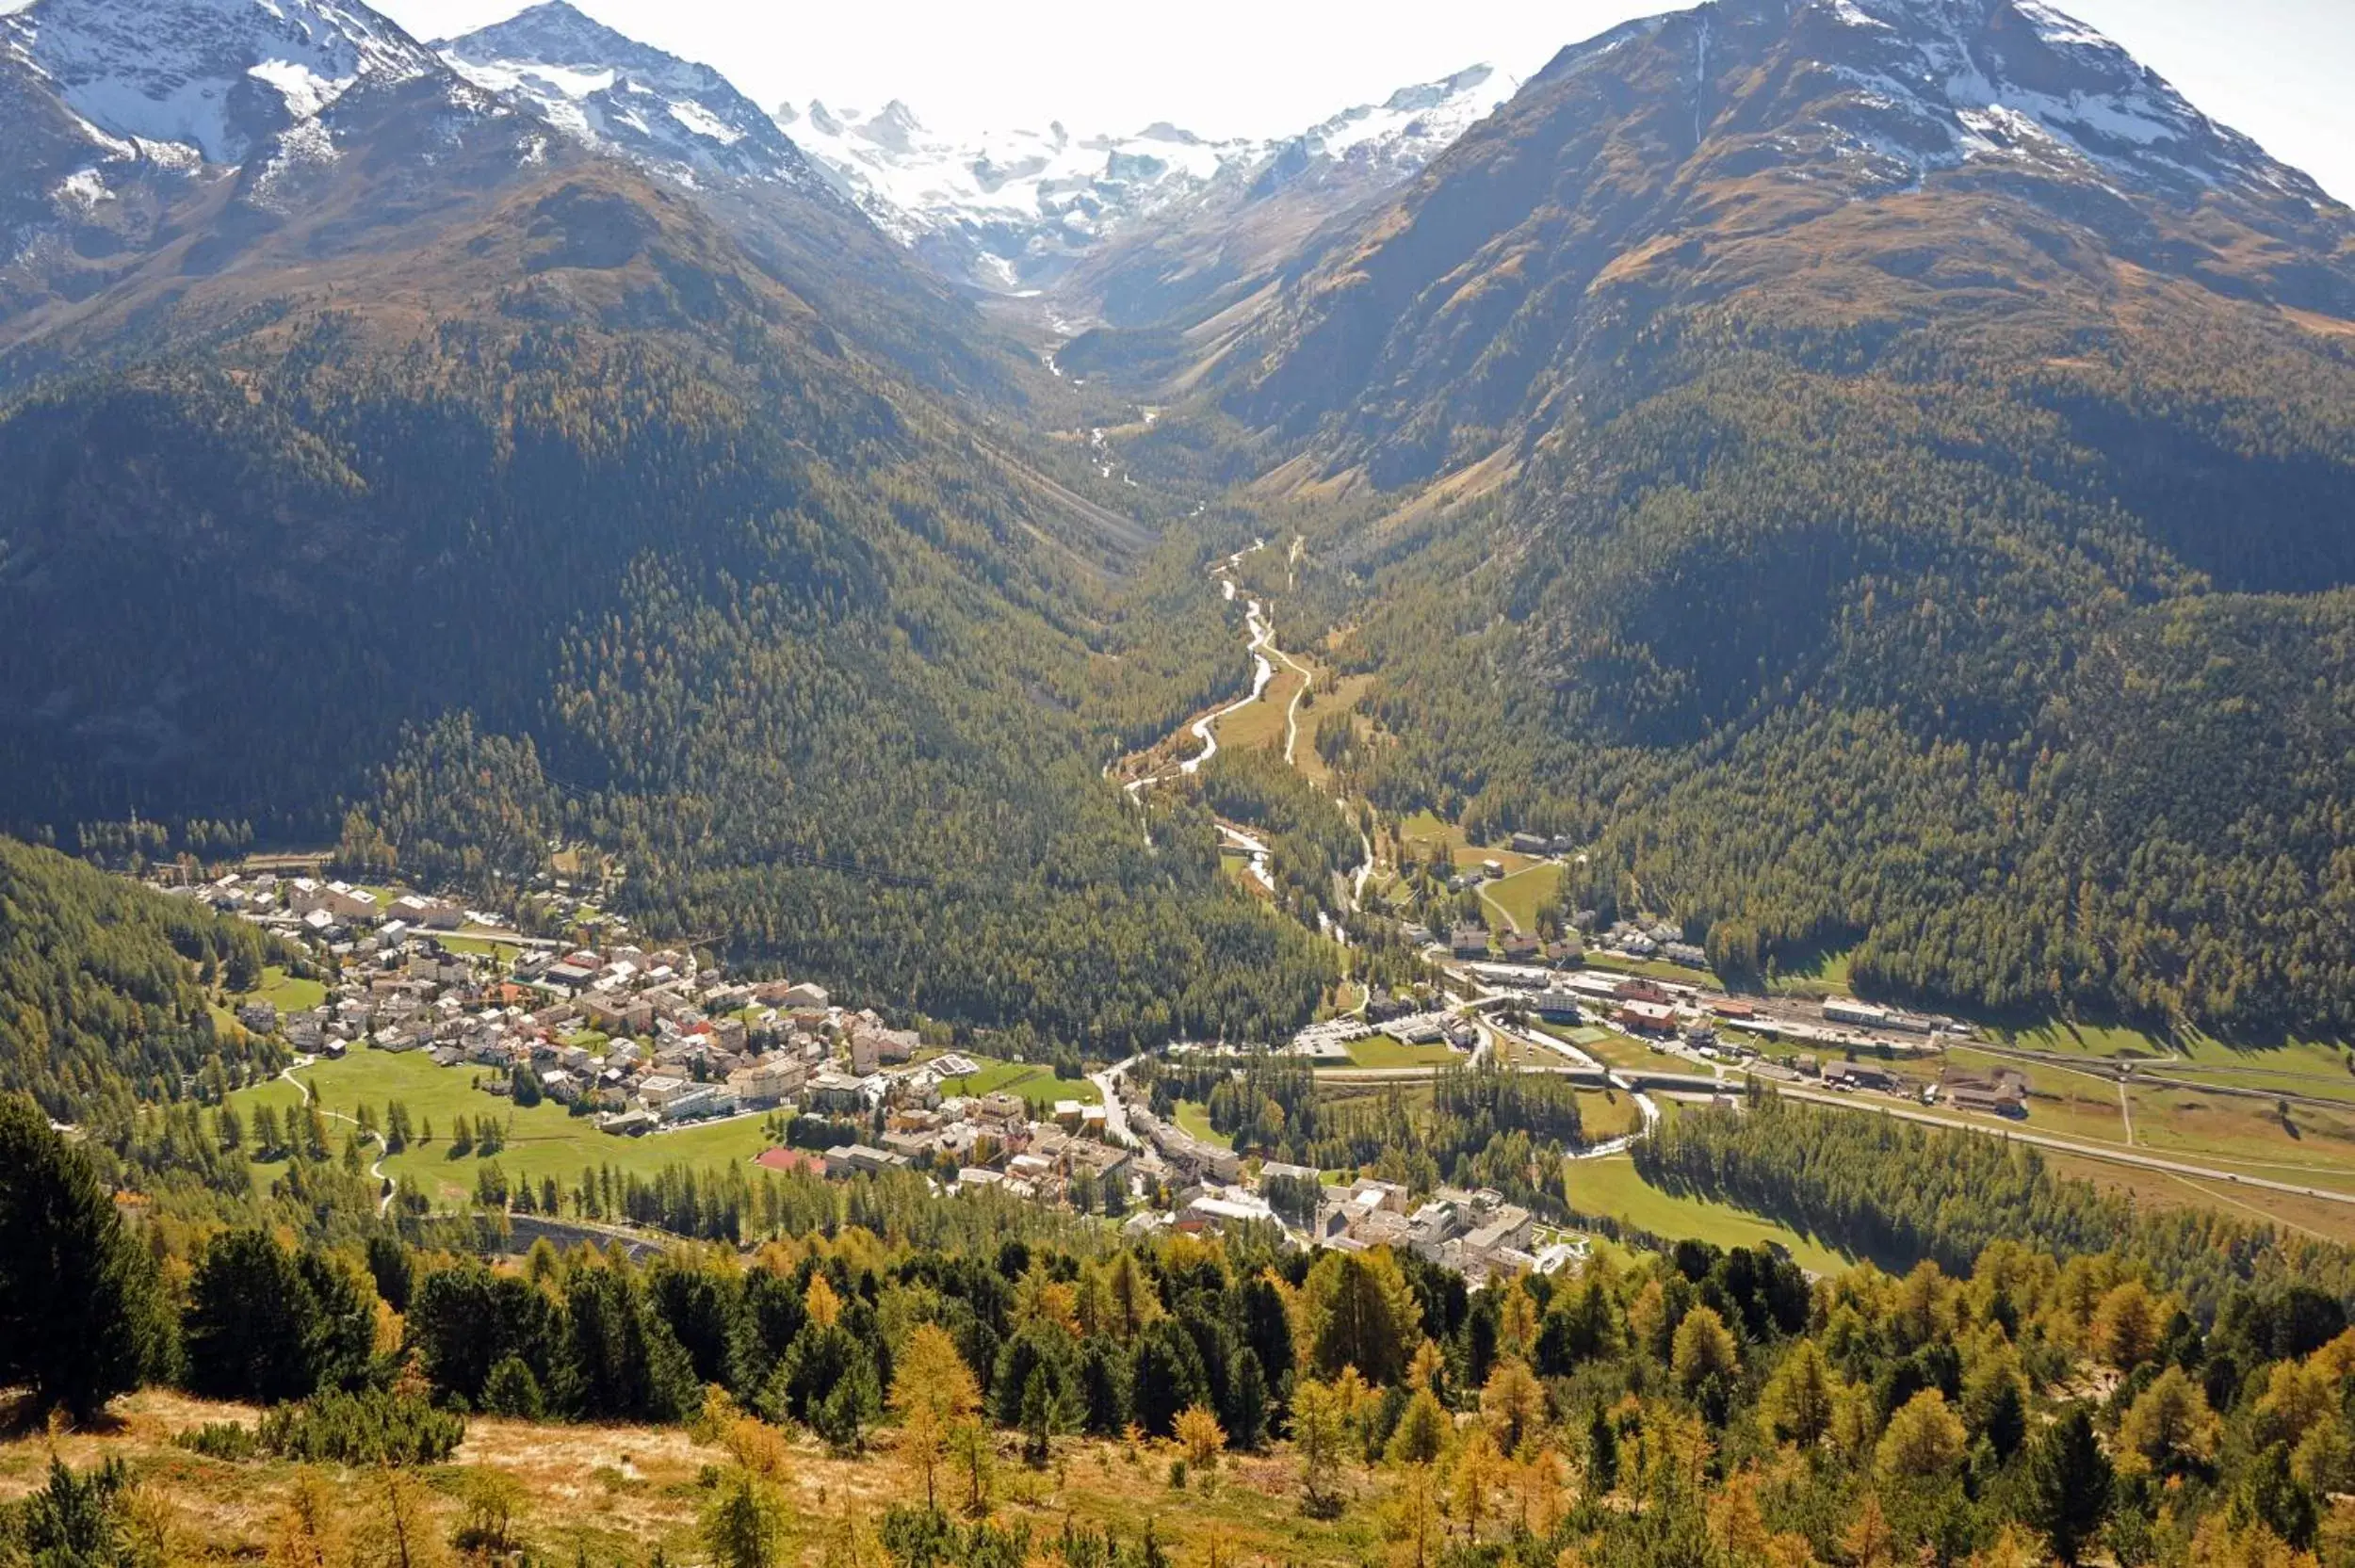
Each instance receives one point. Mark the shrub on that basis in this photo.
(363, 1429)
(228, 1440)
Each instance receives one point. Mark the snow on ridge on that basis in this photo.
(219, 76)
(1021, 201)
(679, 118)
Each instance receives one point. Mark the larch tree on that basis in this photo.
(933, 1392)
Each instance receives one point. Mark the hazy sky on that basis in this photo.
(2282, 71)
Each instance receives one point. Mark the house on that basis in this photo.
(347, 902)
(1535, 845)
(1686, 954)
(1506, 1228)
(1382, 1006)
(562, 1087)
(860, 1159)
(1469, 942)
(260, 1017)
(1520, 947)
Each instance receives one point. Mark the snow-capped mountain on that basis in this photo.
(673, 116)
(216, 78)
(118, 112)
(1015, 211)
(1919, 86)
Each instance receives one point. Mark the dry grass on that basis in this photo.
(618, 1493)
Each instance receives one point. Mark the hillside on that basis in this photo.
(102, 990)
(516, 492)
(1881, 469)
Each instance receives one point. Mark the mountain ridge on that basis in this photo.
(1016, 212)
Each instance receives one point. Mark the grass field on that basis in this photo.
(1344, 699)
(1424, 832)
(2159, 1189)
(1611, 1187)
(1826, 974)
(1259, 726)
(287, 993)
(1036, 1083)
(1608, 1046)
(1380, 1050)
(1194, 1117)
(544, 1140)
(1524, 893)
(1606, 1114)
(1651, 969)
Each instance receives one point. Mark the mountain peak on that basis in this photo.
(603, 88)
(1911, 88)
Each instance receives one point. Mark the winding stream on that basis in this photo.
(1265, 655)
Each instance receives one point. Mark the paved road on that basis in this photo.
(2070, 1146)
(1116, 1113)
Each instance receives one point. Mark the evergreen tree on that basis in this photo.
(2068, 1484)
(80, 1320)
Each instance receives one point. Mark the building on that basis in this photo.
(1844, 1010)
(1470, 941)
(769, 1081)
(1537, 845)
(1858, 1075)
(2004, 1095)
(1655, 1018)
(428, 913)
(614, 1013)
(829, 1092)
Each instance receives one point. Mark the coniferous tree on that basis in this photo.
(2068, 1484)
(80, 1320)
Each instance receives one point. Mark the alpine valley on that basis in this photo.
(1605, 819)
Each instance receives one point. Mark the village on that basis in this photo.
(639, 1043)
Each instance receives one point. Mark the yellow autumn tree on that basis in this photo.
(934, 1393)
(1200, 1435)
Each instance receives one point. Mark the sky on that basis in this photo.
(2277, 70)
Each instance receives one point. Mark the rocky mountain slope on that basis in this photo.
(1020, 210)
